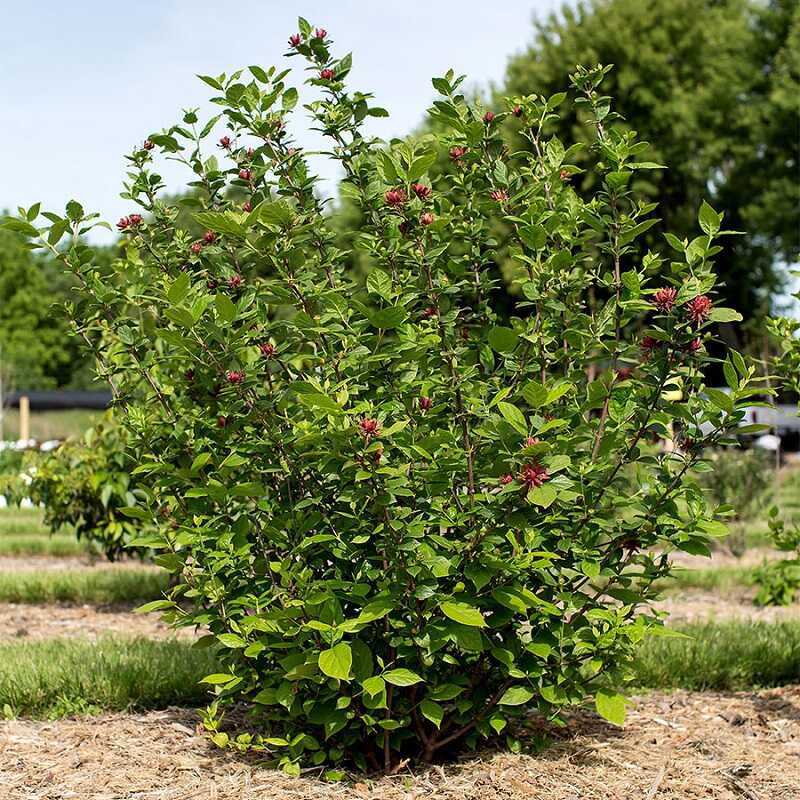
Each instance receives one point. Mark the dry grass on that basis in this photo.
(673, 747)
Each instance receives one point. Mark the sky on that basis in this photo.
(83, 82)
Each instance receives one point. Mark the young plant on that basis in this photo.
(404, 520)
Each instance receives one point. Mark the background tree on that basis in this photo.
(713, 86)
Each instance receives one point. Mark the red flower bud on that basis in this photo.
(222, 421)
(404, 227)
(533, 475)
(327, 74)
(421, 190)
(148, 145)
(694, 345)
(457, 152)
(211, 284)
(426, 218)
(225, 142)
(247, 206)
(135, 220)
(699, 308)
(123, 223)
(395, 198)
(245, 174)
(369, 428)
(517, 112)
(506, 479)
(488, 117)
(234, 376)
(320, 33)
(196, 248)
(189, 375)
(425, 403)
(664, 299)
(649, 343)
(564, 175)
(209, 237)
(430, 312)
(377, 456)
(235, 281)
(295, 39)
(531, 441)
(267, 349)
(623, 373)
(499, 195)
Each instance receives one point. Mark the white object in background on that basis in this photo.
(3, 501)
(49, 445)
(768, 442)
(26, 502)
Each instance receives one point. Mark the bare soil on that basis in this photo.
(36, 622)
(680, 746)
(699, 606)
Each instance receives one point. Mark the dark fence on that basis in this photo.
(60, 399)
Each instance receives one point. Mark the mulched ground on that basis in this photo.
(680, 746)
(698, 606)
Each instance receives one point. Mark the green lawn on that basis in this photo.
(95, 585)
(47, 425)
(58, 545)
(22, 520)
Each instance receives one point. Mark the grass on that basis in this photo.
(45, 425)
(58, 545)
(61, 677)
(22, 520)
(723, 580)
(722, 656)
(90, 585)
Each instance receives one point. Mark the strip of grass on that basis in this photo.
(721, 579)
(61, 677)
(722, 656)
(94, 585)
(14, 521)
(35, 544)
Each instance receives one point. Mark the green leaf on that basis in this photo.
(380, 283)
(709, 219)
(543, 495)
(155, 605)
(220, 223)
(179, 289)
(289, 99)
(374, 685)
(463, 613)
(279, 213)
(218, 678)
(388, 318)
(419, 166)
(336, 662)
(516, 696)
(401, 677)
(231, 640)
(610, 707)
(432, 711)
(535, 394)
(504, 340)
(514, 417)
(226, 310)
(725, 315)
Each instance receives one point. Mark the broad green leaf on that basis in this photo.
(336, 662)
(226, 310)
(542, 496)
(401, 677)
(220, 223)
(433, 711)
(504, 340)
(463, 613)
(725, 315)
(514, 417)
(516, 696)
(218, 678)
(179, 289)
(610, 706)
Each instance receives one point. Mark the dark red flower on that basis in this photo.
(211, 284)
(225, 142)
(648, 343)
(222, 421)
(123, 223)
(369, 427)
(148, 145)
(533, 475)
(209, 237)
(234, 376)
(247, 206)
(421, 190)
(295, 39)
(235, 281)
(699, 308)
(517, 112)
(404, 227)
(623, 373)
(189, 375)
(377, 456)
(531, 441)
(245, 174)
(488, 117)
(430, 312)
(694, 345)
(320, 33)
(327, 74)
(267, 349)
(506, 479)
(425, 403)
(196, 248)
(499, 195)
(135, 220)
(457, 152)
(395, 197)
(664, 299)
(426, 218)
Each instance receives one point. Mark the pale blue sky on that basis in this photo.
(82, 82)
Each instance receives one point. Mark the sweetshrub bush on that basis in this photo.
(404, 520)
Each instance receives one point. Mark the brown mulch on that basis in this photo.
(36, 622)
(680, 746)
(699, 606)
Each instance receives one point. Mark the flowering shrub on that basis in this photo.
(403, 520)
(85, 483)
